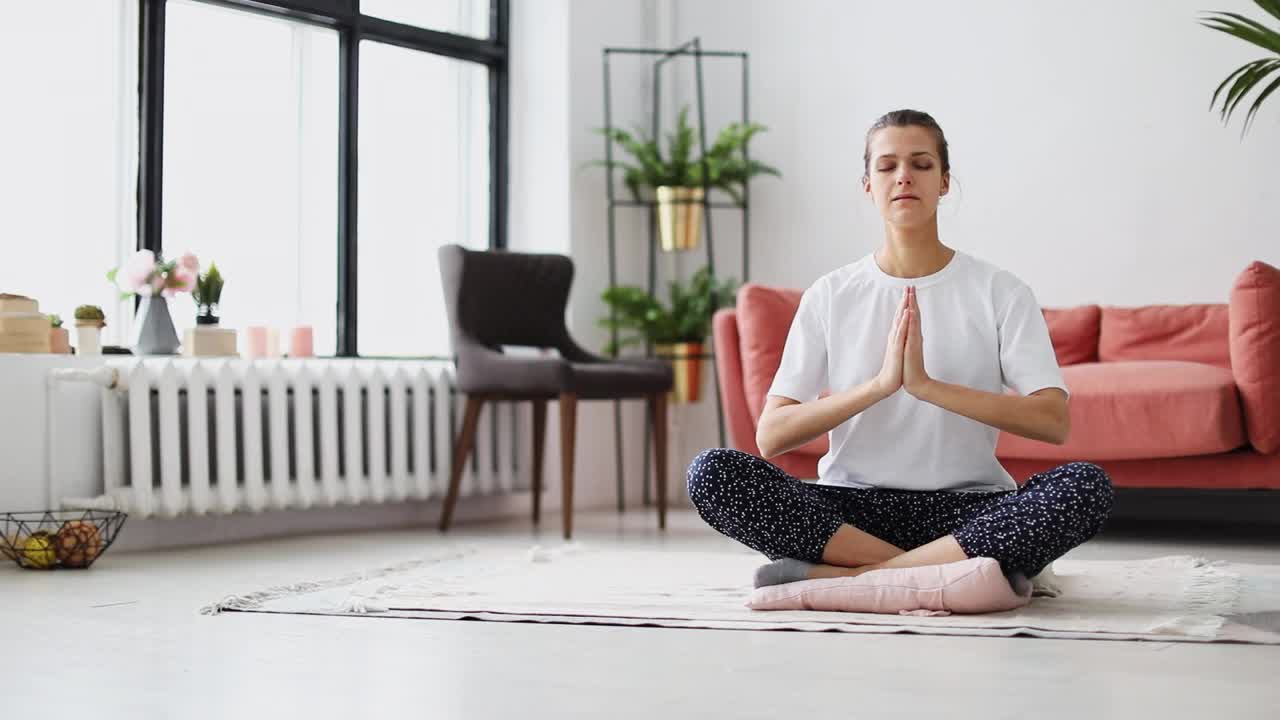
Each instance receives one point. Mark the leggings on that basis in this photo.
(759, 505)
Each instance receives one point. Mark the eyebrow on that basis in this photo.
(914, 154)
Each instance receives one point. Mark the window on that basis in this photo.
(70, 131)
(251, 164)
(424, 182)
(246, 156)
(467, 17)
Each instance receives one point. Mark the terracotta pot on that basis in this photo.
(59, 341)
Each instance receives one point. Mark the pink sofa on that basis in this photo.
(1173, 396)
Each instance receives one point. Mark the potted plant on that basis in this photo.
(89, 324)
(155, 280)
(677, 333)
(59, 339)
(677, 181)
(1252, 74)
(207, 294)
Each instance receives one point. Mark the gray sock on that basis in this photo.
(782, 571)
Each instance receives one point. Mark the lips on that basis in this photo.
(904, 197)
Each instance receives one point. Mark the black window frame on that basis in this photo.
(352, 26)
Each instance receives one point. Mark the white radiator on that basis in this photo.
(223, 436)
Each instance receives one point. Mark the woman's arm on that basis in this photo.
(786, 424)
(1042, 415)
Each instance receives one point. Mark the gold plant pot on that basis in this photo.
(679, 217)
(686, 362)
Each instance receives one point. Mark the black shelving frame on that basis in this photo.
(691, 49)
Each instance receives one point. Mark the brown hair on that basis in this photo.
(907, 118)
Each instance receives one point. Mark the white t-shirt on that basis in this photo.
(981, 328)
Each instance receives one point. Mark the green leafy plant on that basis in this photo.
(89, 312)
(208, 290)
(55, 320)
(727, 166)
(644, 318)
(1252, 74)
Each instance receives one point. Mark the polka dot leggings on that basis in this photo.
(759, 505)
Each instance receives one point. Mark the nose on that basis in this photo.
(904, 177)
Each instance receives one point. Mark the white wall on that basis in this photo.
(1087, 160)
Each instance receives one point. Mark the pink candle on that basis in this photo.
(255, 341)
(300, 342)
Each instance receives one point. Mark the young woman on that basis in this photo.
(915, 344)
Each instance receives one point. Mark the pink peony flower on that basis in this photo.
(189, 262)
(183, 278)
(136, 271)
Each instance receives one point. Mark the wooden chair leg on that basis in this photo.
(568, 428)
(461, 449)
(658, 404)
(539, 443)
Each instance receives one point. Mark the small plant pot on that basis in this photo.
(59, 341)
(679, 217)
(88, 338)
(686, 363)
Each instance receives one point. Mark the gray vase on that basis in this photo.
(153, 332)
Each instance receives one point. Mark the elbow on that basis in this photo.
(1061, 429)
(765, 444)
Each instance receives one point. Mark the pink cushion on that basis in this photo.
(1074, 333)
(1142, 409)
(975, 585)
(1255, 352)
(1195, 333)
(764, 319)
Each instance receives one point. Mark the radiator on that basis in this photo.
(192, 437)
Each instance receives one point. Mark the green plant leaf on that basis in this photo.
(1232, 76)
(1272, 7)
(1228, 23)
(1243, 85)
(1257, 103)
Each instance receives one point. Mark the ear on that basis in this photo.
(946, 184)
(866, 184)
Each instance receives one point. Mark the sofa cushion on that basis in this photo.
(1194, 333)
(1255, 352)
(1074, 333)
(1142, 409)
(764, 319)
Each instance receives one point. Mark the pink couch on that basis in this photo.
(1174, 396)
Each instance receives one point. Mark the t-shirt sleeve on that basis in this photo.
(1027, 360)
(802, 373)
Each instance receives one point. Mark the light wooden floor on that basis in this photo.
(124, 640)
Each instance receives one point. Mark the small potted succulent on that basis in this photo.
(207, 294)
(59, 339)
(89, 324)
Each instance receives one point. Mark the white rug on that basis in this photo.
(1177, 598)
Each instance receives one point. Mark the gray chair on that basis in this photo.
(497, 298)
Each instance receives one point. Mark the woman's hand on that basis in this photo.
(914, 377)
(889, 378)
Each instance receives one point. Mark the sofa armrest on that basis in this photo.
(1254, 334)
(733, 399)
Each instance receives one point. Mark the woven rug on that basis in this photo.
(1176, 598)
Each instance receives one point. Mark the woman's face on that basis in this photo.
(904, 178)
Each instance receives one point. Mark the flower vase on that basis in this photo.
(153, 332)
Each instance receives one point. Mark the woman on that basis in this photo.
(911, 477)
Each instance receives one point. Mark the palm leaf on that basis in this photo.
(1257, 103)
(1272, 7)
(1231, 77)
(1244, 84)
(1243, 28)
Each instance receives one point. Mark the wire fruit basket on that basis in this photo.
(50, 539)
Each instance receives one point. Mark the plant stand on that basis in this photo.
(691, 49)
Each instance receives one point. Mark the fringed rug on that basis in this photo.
(1177, 598)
